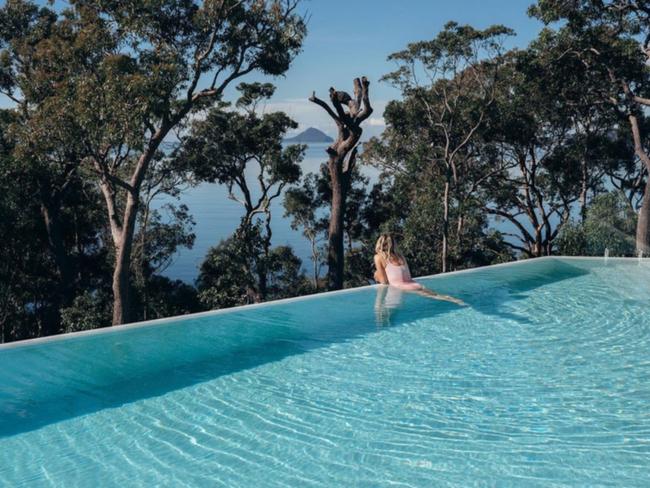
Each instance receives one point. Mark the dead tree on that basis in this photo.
(342, 155)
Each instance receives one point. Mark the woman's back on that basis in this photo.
(398, 274)
(392, 269)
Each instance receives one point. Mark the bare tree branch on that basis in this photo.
(326, 107)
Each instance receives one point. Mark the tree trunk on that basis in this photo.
(539, 245)
(121, 285)
(262, 287)
(314, 258)
(583, 190)
(460, 224)
(342, 154)
(445, 222)
(54, 229)
(336, 251)
(264, 269)
(50, 210)
(143, 261)
(548, 246)
(123, 242)
(643, 223)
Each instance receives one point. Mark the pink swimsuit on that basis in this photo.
(400, 277)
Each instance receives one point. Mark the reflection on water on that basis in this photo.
(388, 299)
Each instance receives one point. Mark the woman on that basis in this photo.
(393, 270)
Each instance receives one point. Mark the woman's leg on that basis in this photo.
(425, 292)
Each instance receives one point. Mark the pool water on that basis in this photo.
(544, 380)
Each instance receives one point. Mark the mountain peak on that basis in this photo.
(310, 135)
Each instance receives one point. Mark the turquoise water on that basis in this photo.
(543, 381)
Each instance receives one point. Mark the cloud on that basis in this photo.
(377, 122)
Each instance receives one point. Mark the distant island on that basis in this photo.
(310, 135)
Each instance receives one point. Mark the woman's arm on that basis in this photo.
(380, 273)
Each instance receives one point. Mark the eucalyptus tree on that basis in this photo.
(629, 177)
(46, 149)
(161, 231)
(243, 150)
(342, 155)
(406, 202)
(20, 249)
(66, 205)
(302, 204)
(594, 147)
(556, 141)
(129, 73)
(528, 133)
(51, 248)
(452, 79)
(612, 38)
(609, 226)
(48, 165)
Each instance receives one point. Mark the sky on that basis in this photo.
(350, 38)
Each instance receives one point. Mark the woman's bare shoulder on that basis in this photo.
(379, 260)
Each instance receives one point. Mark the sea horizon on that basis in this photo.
(217, 217)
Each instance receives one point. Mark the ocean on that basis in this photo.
(217, 217)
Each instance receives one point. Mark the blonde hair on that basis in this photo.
(386, 247)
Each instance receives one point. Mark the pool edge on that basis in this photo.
(181, 318)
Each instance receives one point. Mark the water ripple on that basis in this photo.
(544, 381)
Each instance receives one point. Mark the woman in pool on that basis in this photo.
(393, 270)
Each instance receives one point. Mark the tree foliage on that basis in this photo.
(122, 76)
(230, 273)
(612, 39)
(608, 227)
(449, 84)
(243, 150)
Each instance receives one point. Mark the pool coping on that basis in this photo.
(181, 318)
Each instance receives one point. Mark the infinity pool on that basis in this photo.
(544, 380)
